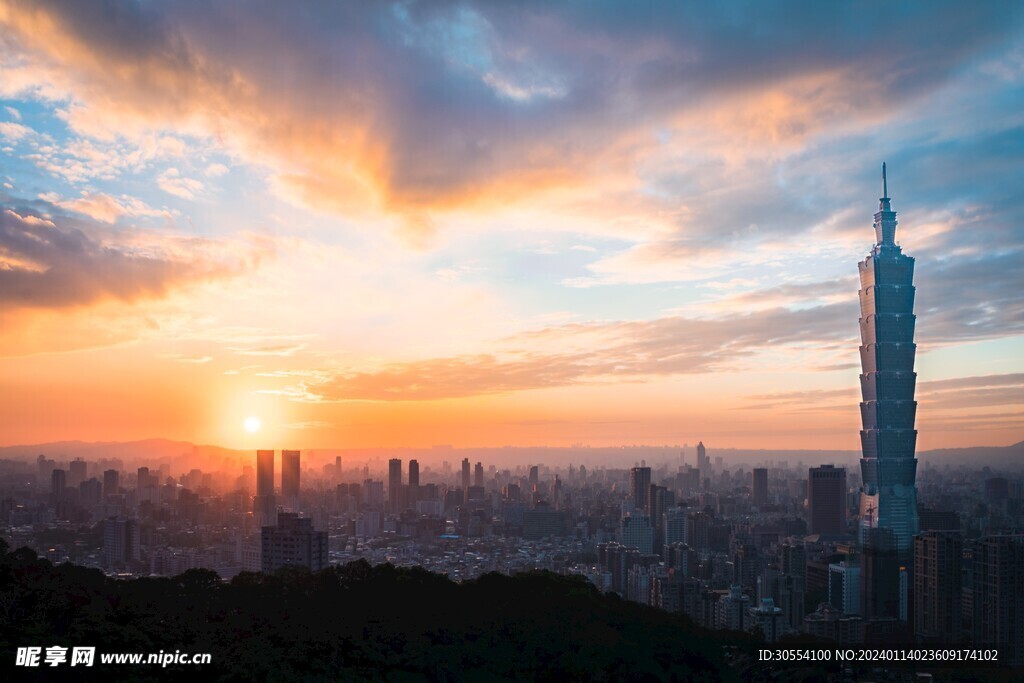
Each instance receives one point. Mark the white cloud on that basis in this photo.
(172, 182)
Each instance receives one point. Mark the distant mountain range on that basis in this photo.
(184, 455)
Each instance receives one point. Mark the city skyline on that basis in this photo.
(481, 226)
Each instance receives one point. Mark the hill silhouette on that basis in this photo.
(352, 622)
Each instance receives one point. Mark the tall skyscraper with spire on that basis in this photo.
(888, 469)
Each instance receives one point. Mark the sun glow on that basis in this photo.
(252, 424)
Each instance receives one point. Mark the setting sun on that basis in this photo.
(252, 424)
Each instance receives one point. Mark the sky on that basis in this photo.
(398, 224)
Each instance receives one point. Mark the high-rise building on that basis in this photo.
(759, 486)
(534, 475)
(888, 440)
(465, 474)
(639, 487)
(880, 575)
(265, 504)
(635, 531)
(937, 587)
(414, 473)
(90, 491)
(142, 479)
(703, 462)
(111, 482)
(290, 473)
(395, 485)
(844, 587)
(264, 473)
(826, 500)
(58, 482)
(120, 542)
(76, 472)
(293, 542)
(478, 474)
(998, 601)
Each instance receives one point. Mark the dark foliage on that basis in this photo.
(354, 622)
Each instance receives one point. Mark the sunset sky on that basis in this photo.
(488, 223)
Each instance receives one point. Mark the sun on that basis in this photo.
(252, 424)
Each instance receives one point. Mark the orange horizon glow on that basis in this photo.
(482, 228)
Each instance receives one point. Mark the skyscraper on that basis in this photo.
(414, 483)
(465, 473)
(478, 474)
(880, 575)
(58, 482)
(826, 500)
(998, 608)
(703, 462)
(395, 484)
(264, 505)
(759, 486)
(639, 487)
(290, 476)
(110, 482)
(76, 472)
(937, 587)
(888, 439)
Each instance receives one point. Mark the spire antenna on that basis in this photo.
(885, 184)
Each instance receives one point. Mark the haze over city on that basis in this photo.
(407, 224)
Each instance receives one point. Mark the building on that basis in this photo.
(768, 618)
(395, 485)
(290, 472)
(111, 482)
(90, 491)
(465, 473)
(998, 600)
(76, 472)
(732, 610)
(639, 487)
(888, 440)
(635, 531)
(937, 587)
(292, 543)
(58, 482)
(265, 504)
(120, 542)
(703, 462)
(844, 587)
(414, 473)
(759, 488)
(478, 474)
(880, 575)
(826, 500)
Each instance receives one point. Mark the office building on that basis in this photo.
(290, 473)
(395, 485)
(265, 503)
(478, 475)
(880, 575)
(759, 487)
(826, 500)
(888, 440)
(465, 474)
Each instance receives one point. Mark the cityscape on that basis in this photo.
(539, 342)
